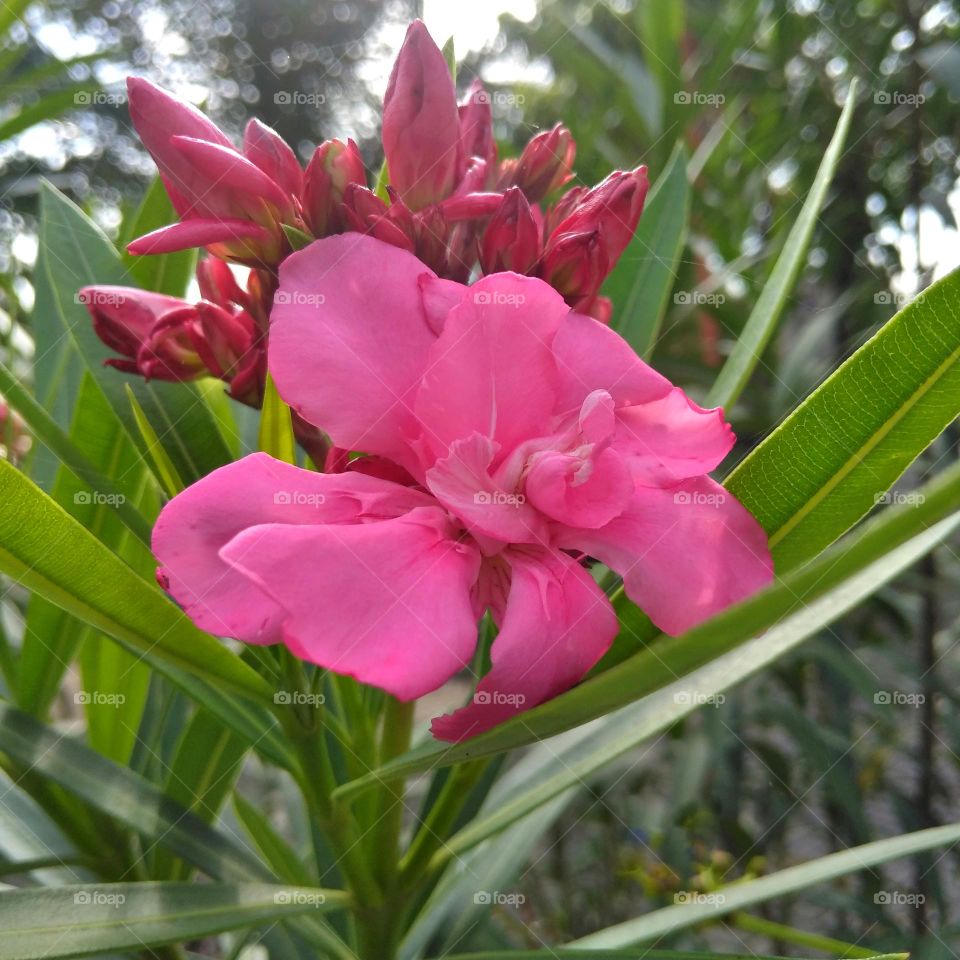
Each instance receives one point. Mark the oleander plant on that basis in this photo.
(351, 532)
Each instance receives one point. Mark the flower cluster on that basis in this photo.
(507, 439)
(449, 200)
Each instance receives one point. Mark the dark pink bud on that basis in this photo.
(575, 264)
(218, 284)
(265, 148)
(471, 206)
(332, 168)
(223, 339)
(512, 238)
(421, 123)
(545, 164)
(613, 207)
(476, 125)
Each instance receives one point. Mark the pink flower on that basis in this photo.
(233, 203)
(506, 439)
(421, 123)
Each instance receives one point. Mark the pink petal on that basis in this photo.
(232, 182)
(461, 481)
(591, 356)
(158, 116)
(672, 438)
(195, 525)
(492, 369)
(388, 603)
(685, 552)
(265, 147)
(196, 233)
(349, 341)
(556, 626)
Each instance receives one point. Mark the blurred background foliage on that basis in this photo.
(853, 738)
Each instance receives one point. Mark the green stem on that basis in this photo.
(800, 938)
(439, 822)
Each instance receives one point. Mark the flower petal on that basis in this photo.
(349, 340)
(590, 356)
(556, 626)
(685, 552)
(195, 525)
(388, 603)
(461, 481)
(672, 438)
(492, 370)
(196, 233)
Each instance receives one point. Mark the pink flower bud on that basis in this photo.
(545, 164)
(575, 265)
(332, 168)
(265, 148)
(421, 123)
(476, 125)
(512, 238)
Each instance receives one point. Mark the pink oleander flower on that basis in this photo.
(506, 440)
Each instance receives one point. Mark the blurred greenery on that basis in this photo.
(854, 737)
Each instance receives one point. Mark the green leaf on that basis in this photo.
(640, 284)
(746, 893)
(575, 953)
(763, 318)
(135, 802)
(85, 919)
(830, 461)
(63, 446)
(51, 554)
(77, 254)
(272, 847)
(163, 468)
(168, 273)
(47, 108)
(276, 427)
(786, 604)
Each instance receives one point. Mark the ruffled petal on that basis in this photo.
(685, 552)
(388, 603)
(556, 626)
(461, 481)
(349, 340)
(492, 370)
(194, 526)
(672, 438)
